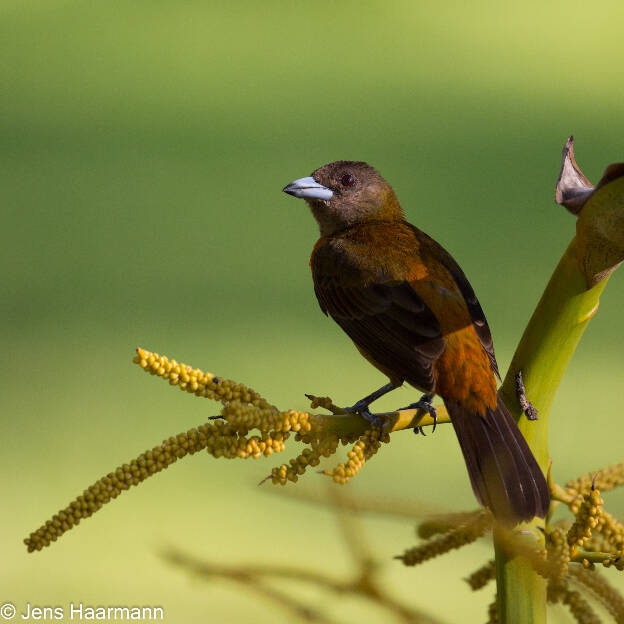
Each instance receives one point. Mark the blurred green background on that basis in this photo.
(144, 148)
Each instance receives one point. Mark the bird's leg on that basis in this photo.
(361, 407)
(424, 403)
(527, 407)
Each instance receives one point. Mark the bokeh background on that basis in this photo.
(144, 148)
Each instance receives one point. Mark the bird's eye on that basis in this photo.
(347, 180)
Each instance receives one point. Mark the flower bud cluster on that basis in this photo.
(121, 479)
(224, 436)
(493, 612)
(557, 554)
(324, 446)
(195, 381)
(580, 609)
(467, 532)
(367, 445)
(442, 523)
(481, 577)
(605, 480)
(598, 586)
(588, 517)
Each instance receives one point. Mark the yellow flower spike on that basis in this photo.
(481, 577)
(493, 611)
(324, 445)
(579, 607)
(607, 479)
(599, 543)
(228, 436)
(588, 517)
(460, 536)
(558, 554)
(444, 523)
(196, 381)
(110, 486)
(612, 530)
(366, 446)
(598, 586)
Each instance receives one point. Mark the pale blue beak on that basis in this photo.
(308, 188)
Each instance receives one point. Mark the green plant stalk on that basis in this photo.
(543, 354)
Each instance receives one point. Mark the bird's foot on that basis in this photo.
(527, 407)
(424, 403)
(358, 408)
(361, 408)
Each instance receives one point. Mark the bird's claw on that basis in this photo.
(424, 403)
(374, 420)
(361, 408)
(357, 408)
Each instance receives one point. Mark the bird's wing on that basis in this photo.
(477, 315)
(389, 322)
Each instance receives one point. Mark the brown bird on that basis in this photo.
(411, 312)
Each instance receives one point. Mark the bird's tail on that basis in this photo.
(505, 476)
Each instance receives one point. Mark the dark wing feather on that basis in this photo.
(390, 322)
(477, 315)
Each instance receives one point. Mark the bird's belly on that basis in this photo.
(397, 381)
(391, 374)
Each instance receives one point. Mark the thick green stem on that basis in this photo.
(543, 355)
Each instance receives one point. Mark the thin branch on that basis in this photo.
(380, 505)
(250, 578)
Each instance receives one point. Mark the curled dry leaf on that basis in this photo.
(573, 188)
(600, 211)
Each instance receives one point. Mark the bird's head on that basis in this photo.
(345, 193)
